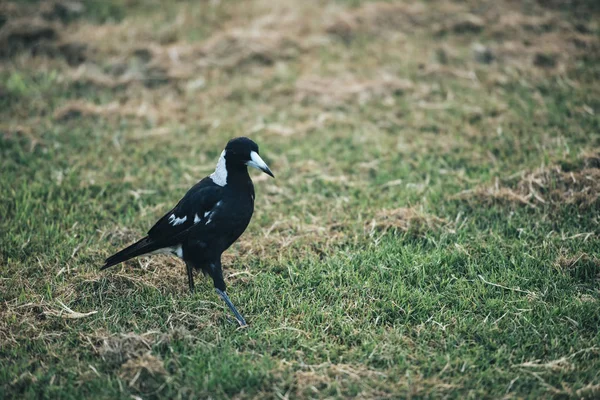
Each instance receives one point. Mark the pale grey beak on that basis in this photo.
(258, 163)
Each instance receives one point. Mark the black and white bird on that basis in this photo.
(207, 220)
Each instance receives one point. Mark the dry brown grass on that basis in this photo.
(333, 92)
(290, 236)
(325, 377)
(155, 110)
(40, 30)
(539, 39)
(581, 266)
(131, 354)
(237, 47)
(153, 67)
(406, 219)
(145, 373)
(25, 32)
(566, 262)
(336, 379)
(577, 185)
(384, 17)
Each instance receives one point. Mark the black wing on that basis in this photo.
(193, 208)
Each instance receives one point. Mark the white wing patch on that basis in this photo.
(173, 220)
(196, 219)
(219, 177)
(210, 213)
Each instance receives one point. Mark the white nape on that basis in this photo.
(219, 177)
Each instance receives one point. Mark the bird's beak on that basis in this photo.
(258, 163)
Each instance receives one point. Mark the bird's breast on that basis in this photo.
(238, 210)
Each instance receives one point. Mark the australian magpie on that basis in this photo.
(207, 220)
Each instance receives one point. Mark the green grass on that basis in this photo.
(439, 240)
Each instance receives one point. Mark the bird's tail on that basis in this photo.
(143, 246)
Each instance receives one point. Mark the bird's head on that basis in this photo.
(243, 151)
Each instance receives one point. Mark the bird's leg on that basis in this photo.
(235, 312)
(217, 274)
(190, 268)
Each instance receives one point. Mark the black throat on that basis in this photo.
(237, 175)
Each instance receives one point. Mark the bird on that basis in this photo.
(209, 218)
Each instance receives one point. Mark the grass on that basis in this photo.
(432, 231)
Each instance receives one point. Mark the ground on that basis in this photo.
(433, 230)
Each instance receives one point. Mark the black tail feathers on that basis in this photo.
(143, 246)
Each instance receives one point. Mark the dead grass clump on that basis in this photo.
(579, 8)
(384, 17)
(153, 109)
(21, 132)
(542, 39)
(89, 74)
(514, 22)
(545, 60)
(553, 185)
(565, 363)
(550, 186)
(132, 354)
(360, 381)
(141, 57)
(566, 263)
(121, 74)
(323, 378)
(336, 91)
(73, 52)
(34, 30)
(494, 195)
(117, 350)
(242, 46)
(378, 18)
(161, 273)
(581, 266)
(590, 160)
(146, 373)
(289, 235)
(465, 23)
(63, 10)
(25, 33)
(406, 220)
(27, 321)
(79, 109)
(526, 37)
(120, 235)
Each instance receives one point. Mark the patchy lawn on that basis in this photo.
(433, 230)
